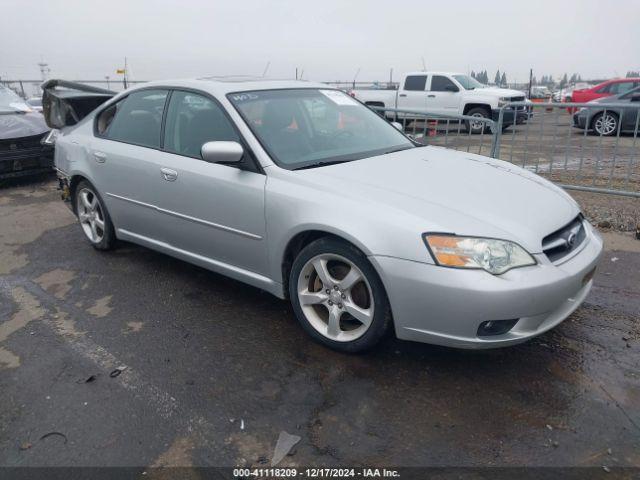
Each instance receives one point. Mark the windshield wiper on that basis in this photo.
(321, 164)
(394, 150)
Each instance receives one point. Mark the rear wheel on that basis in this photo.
(93, 217)
(476, 127)
(605, 123)
(338, 297)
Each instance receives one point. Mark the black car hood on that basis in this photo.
(17, 125)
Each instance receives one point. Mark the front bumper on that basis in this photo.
(445, 306)
(521, 115)
(24, 156)
(579, 120)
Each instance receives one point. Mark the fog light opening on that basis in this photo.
(496, 327)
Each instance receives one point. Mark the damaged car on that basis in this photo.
(21, 133)
(304, 192)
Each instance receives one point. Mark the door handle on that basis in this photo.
(168, 174)
(431, 96)
(403, 95)
(100, 157)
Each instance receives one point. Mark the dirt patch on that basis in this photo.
(22, 224)
(134, 327)
(609, 211)
(101, 308)
(29, 309)
(56, 282)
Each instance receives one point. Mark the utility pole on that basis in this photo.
(390, 77)
(107, 79)
(124, 77)
(530, 80)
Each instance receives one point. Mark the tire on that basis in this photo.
(93, 217)
(477, 112)
(605, 125)
(332, 265)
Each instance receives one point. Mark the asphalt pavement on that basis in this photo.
(132, 358)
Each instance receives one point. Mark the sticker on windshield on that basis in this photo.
(338, 98)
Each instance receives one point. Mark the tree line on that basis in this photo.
(500, 78)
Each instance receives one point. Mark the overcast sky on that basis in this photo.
(329, 39)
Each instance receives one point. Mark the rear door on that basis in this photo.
(413, 95)
(210, 213)
(124, 155)
(443, 96)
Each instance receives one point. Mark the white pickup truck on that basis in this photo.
(445, 94)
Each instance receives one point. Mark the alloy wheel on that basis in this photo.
(605, 124)
(90, 215)
(335, 297)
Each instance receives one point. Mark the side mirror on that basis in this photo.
(222, 152)
(451, 88)
(397, 126)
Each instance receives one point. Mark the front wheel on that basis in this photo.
(93, 217)
(338, 297)
(477, 127)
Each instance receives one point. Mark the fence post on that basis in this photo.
(497, 135)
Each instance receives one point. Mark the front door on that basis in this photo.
(210, 213)
(443, 96)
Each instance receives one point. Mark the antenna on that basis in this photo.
(266, 68)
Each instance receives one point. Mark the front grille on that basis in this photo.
(23, 155)
(561, 243)
(517, 99)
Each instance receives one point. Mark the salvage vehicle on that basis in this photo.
(443, 93)
(616, 86)
(608, 116)
(306, 193)
(21, 132)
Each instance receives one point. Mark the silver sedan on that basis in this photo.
(302, 191)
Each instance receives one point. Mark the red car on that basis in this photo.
(605, 89)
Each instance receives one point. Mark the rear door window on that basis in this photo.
(137, 119)
(415, 82)
(192, 121)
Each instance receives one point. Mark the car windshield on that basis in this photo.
(10, 102)
(467, 82)
(303, 128)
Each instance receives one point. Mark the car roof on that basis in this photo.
(220, 86)
(433, 73)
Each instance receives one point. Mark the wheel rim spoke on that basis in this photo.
(333, 324)
(350, 280)
(320, 266)
(360, 314)
(85, 200)
(94, 231)
(312, 298)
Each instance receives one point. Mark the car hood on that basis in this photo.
(17, 125)
(500, 92)
(443, 190)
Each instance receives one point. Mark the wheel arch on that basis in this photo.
(470, 106)
(303, 238)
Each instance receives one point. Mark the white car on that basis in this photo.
(447, 94)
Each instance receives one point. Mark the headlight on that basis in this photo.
(582, 110)
(502, 101)
(50, 138)
(494, 256)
